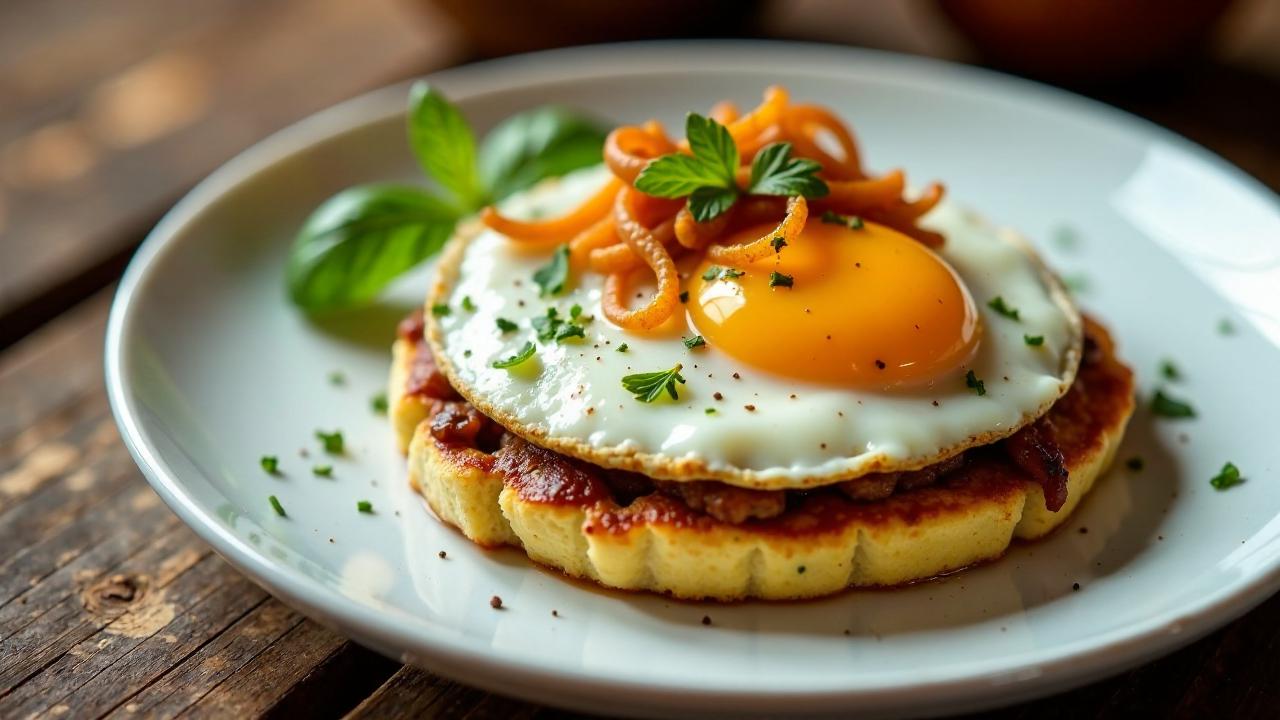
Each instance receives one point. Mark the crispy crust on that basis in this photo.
(692, 468)
(822, 544)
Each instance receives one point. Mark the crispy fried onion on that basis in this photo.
(621, 233)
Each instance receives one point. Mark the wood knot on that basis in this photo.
(115, 594)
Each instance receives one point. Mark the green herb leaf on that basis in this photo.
(378, 403)
(444, 145)
(712, 144)
(275, 505)
(710, 411)
(552, 277)
(1169, 370)
(997, 303)
(524, 354)
(622, 348)
(775, 172)
(777, 243)
(468, 304)
(364, 506)
(322, 471)
(1229, 476)
(270, 464)
(567, 331)
(1165, 406)
(440, 310)
(505, 325)
(361, 239)
(1033, 340)
(676, 175)
(715, 272)
(708, 203)
(537, 144)
(648, 387)
(777, 279)
(332, 442)
(853, 222)
(696, 341)
(972, 382)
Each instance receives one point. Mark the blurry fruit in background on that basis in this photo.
(1086, 41)
(503, 27)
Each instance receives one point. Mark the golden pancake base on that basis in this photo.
(909, 536)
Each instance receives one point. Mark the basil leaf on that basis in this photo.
(362, 238)
(775, 172)
(711, 143)
(537, 144)
(708, 203)
(444, 145)
(675, 176)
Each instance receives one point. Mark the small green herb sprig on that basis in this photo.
(361, 239)
(709, 177)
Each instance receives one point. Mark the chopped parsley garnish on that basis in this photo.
(379, 403)
(649, 386)
(468, 304)
(708, 176)
(853, 222)
(364, 506)
(332, 442)
(337, 378)
(711, 411)
(275, 505)
(270, 464)
(552, 277)
(684, 296)
(505, 325)
(322, 471)
(694, 342)
(1033, 340)
(551, 327)
(1169, 370)
(440, 310)
(1169, 407)
(715, 272)
(1229, 476)
(621, 348)
(524, 354)
(1226, 327)
(997, 303)
(777, 243)
(575, 312)
(1134, 463)
(972, 382)
(569, 330)
(777, 279)
(466, 353)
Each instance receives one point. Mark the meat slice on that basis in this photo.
(727, 503)
(1034, 451)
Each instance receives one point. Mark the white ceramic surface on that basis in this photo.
(210, 368)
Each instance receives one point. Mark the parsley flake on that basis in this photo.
(694, 342)
(777, 279)
(997, 303)
(505, 325)
(440, 310)
(711, 411)
(270, 464)
(853, 222)
(647, 387)
(468, 304)
(777, 243)
(1228, 476)
(621, 348)
(1033, 340)
(552, 277)
(336, 378)
(972, 382)
(275, 505)
(1166, 406)
(524, 354)
(715, 272)
(1169, 370)
(332, 442)
(378, 403)
(322, 471)
(364, 506)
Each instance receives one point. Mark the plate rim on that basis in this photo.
(1063, 666)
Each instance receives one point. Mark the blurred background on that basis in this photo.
(111, 109)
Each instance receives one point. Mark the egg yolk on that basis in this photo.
(868, 307)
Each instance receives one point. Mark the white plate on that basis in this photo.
(209, 368)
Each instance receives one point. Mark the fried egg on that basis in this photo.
(847, 352)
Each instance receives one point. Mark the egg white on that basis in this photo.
(797, 434)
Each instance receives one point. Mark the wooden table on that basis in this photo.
(108, 604)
